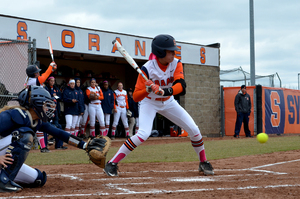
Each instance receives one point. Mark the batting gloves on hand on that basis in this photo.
(149, 84)
(54, 66)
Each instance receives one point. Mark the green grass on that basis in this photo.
(176, 152)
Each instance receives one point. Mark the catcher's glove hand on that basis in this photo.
(97, 149)
(93, 96)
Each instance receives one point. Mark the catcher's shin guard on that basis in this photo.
(19, 148)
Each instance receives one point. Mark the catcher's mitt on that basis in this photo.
(97, 149)
(93, 96)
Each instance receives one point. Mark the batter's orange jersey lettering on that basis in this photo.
(164, 76)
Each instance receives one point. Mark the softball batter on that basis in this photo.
(120, 110)
(165, 72)
(95, 95)
(34, 78)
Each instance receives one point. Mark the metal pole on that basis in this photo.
(34, 51)
(252, 51)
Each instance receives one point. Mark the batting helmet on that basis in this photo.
(161, 43)
(31, 70)
(39, 100)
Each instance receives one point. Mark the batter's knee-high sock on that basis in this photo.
(198, 145)
(113, 131)
(92, 131)
(41, 139)
(127, 131)
(129, 145)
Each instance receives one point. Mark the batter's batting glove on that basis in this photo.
(54, 66)
(148, 85)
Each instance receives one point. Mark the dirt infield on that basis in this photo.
(275, 175)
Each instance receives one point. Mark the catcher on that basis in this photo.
(21, 123)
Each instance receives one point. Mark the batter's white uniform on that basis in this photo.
(95, 110)
(164, 105)
(121, 98)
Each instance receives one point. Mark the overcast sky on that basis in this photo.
(277, 26)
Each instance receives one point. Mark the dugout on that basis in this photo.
(85, 53)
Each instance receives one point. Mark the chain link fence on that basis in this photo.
(15, 56)
(238, 77)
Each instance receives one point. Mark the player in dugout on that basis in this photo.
(166, 79)
(21, 123)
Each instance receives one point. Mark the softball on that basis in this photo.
(262, 137)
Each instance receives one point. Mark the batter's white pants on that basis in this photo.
(26, 174)
(121, 112)
(169, 109)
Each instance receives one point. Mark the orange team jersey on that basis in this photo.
(39, 81)
(164, 76)
(96, 90)
(121, 98)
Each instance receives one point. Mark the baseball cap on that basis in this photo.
(243, 86)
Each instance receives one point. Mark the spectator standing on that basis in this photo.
(95, 94)
(242, 105)
(120, 109)
(81, 104)
(71, 106)
(57, 98)
(107, 103)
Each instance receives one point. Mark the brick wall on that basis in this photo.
(202, 99)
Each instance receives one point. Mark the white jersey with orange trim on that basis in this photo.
(96, 90)
(159, 77)
(121, 97)
(33, 81)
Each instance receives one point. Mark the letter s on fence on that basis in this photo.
(276, 114)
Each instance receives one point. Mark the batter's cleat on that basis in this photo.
(111, 169)
(206, 168)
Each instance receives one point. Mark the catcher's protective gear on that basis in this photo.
(129, 113)
(93, 96)
(97, 149)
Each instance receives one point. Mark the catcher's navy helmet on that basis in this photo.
(31, 70)
(161, 43)
(39, 100)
